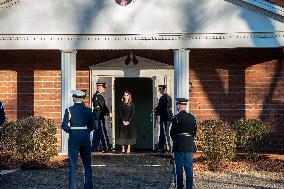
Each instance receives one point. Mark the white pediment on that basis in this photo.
(119, 64)
(143, 24)
(139, 17)
(263, 7)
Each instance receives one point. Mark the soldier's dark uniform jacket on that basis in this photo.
(2, 113)
(100, 108)
(183, 132)
(164, 108)
(79, 116)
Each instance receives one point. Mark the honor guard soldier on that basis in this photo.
(100, 111)
(164, 110)
(78, 121)
(2, 113)
(182, 133)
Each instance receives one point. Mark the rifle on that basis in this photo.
(173, 182)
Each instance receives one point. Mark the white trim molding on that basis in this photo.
(142, 41)
(263, 7)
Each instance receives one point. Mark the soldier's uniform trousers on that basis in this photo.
(184, 160)
(100, 135)
(78, 143)
(164, 132)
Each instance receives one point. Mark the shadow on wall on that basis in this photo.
(25, 91)
(229, 97)
(272, 106)
(87, 17)
(222, 76)
(25, 63)
(222, 81)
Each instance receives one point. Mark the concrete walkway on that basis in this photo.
(145, 171)
(4, 172)
(109, 171)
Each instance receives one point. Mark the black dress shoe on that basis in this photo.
(110, 148)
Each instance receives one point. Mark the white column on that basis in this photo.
(181, 74)
(68, 83)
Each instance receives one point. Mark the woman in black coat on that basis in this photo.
(126, 130)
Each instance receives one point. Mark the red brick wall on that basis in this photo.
(30, 84)
(233, 83)
(227, 83)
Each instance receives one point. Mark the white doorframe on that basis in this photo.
(113, 113)
(146, 68)
(153, 111)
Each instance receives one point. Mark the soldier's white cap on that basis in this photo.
(78, 93)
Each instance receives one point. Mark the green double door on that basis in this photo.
(142, 95)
